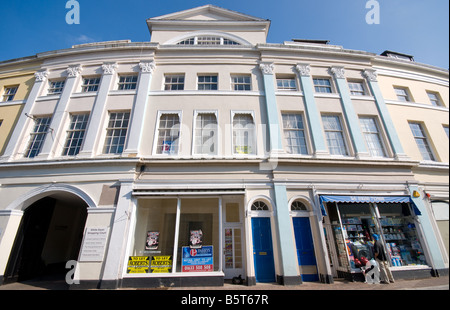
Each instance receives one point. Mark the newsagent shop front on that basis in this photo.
(185, 241)
(351, 222)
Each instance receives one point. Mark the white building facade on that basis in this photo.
(206, 154)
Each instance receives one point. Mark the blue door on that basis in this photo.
(305, 249)
(263, 250)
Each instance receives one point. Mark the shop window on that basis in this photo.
(196, 244)
(259, 206)
(198, 233)
(400, 235)
(353, 225)
(155, 233)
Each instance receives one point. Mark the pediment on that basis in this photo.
(207, 13)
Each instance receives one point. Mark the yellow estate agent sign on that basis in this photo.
(138, 264)
(161, 264)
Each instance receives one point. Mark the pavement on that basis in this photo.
(433, 283)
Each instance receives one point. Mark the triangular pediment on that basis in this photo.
(207, 13)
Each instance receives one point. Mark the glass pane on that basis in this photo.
(155, 232)
(198, 240)
(400, 233)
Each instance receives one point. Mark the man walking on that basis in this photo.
(380, 256)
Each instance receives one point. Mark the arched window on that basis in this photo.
(207, 40)
(298, 206)
(259, 206)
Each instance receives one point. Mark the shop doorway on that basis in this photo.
(305, 249)
(263, 250)
(49, 235)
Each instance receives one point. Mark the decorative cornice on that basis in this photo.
(74, 71)
(371, 75)
(338, 72)
(147, 67)
(267, 68)
(303, 69)
(41, 76)
(109, 68)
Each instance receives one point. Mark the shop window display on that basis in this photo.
(400, 235)
(157, 223)
(353, 225)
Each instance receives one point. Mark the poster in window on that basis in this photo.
(152, 242)
(167, 147)
(196, 239)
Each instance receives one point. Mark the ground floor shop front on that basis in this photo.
(200, 236)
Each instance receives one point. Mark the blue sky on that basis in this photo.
(416, 27)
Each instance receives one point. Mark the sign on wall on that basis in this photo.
(94, 243)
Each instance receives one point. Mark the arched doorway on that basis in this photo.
(49, 235)
(263, 255)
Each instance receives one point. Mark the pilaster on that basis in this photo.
(312, 113)
(59, 114)
(271, 108)
(139, 108)
(349, 112)
(372, 80)
(98, 112)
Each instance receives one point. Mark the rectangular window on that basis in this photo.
(356, 88)
(322, 85)
(37, 136)
(286, 84)
(243, 134)
(127, 82)
(334, 135)
(241, 82)
(56, 87)
(402, 239)
(168, 134)
(90, 84)
(207, 82)
(402, 94)
(434, 99)
(421, 140)
(294, 134)
(353, 226)
(446, 129)
(205, 141)
(178, 235)
(75, 134)
(10, 92)
(174, 82)
(372, 136)
(116, 132)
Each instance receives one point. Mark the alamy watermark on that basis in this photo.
(73, 15)
(373, 15)
(72, 276)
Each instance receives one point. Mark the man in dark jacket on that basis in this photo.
(382, 260)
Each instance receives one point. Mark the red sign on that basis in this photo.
(198, 268)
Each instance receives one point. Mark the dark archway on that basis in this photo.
(49, 235)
